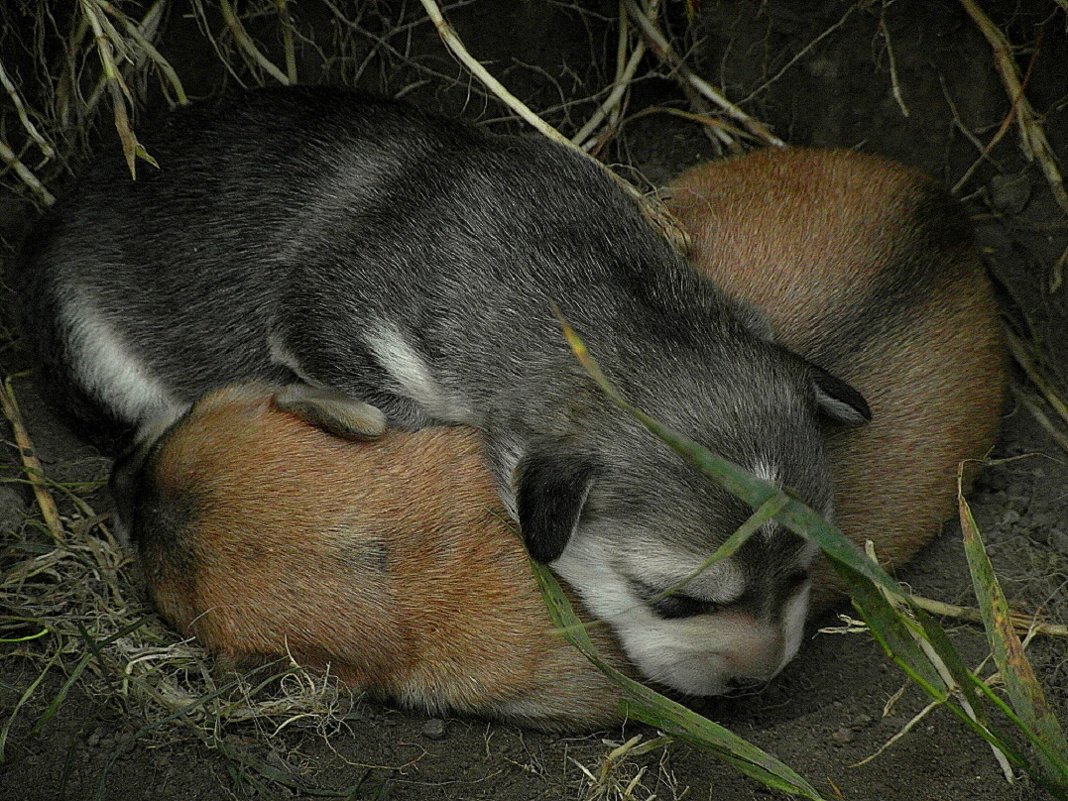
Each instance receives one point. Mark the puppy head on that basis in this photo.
(627, 521)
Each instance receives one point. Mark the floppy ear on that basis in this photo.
(551, 490)
(332, 411)
(838, 400)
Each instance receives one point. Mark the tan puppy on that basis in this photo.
(867, 268)
(390, 561)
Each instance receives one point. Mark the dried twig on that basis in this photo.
(1032, 135)
(651, 207)
(666, 53)
(25, 174)
(20, 108)
(31, 465)
(247, 45)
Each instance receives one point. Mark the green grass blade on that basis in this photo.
(894, 632)
(83, 663)
(1021, 685)
(23, 698)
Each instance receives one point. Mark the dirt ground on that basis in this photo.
(823, 76)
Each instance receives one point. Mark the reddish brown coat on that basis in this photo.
(390, 560)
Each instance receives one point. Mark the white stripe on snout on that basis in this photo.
(111, 372)
(769, 472)
(415, 380)
(794, 615)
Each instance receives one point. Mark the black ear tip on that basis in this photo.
(544, 550)
(551, 491)
(839, 399)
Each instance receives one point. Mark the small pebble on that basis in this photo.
(1058, 540)
(434, 729)
(1019, 503)
(1010, 193)
(1010, 518)
(842, 736)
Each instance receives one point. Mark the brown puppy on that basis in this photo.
(867, 268)
(390, 561)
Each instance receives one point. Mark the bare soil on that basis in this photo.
(825, 712)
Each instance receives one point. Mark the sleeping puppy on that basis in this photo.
(263, 534)
(411, 263)
(868, 268)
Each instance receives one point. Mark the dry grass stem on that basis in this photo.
(651, 207)
(475, 67)
(1030, 367)
(801, 54)
(108, 42)
(287, 39)
(894, 84)
(25, 174)
(31, 465)
(944, 672)
(1023, 623)
(612, 104)
(142, 34)
(900, 733)
(20, 109)
(666, 53)
(1032, 134)
(247, 45)
(1031, 404)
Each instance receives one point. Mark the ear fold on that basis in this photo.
(332, 411)
(839, 400)
(551, 491)
(755, 319)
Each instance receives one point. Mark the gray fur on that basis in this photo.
(411, 262)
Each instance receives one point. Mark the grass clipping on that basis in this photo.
(911, 637)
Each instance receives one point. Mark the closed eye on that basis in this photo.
(795, 580)
(674, 606)
(680, 606)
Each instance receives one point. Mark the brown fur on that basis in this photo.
(868, 268)
(391, 561)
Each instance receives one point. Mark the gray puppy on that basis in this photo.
(411, 262)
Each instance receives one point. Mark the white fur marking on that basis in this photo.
(769, 472)
(110, 371)
(793, 624)
(411, 373)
